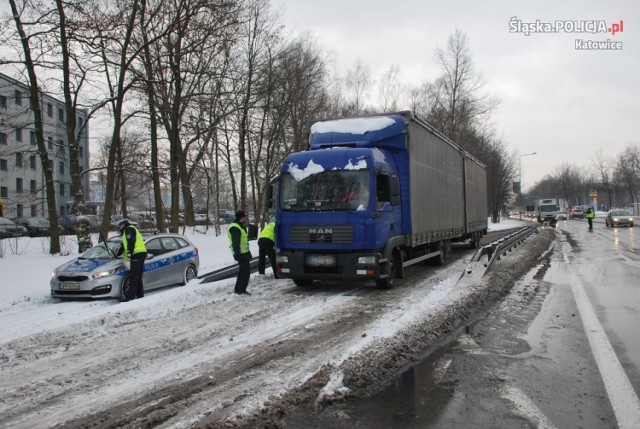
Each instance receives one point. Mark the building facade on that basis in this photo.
(22, 188)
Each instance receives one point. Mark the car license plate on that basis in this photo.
(69, 286)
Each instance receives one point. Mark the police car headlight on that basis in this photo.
(105, 273)
(366, 260)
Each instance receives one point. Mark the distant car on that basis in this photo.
(616, 217)
(36, 226)
(69, 224)
(9, 228)
(561, 216)
(99, 272)
(577, 212)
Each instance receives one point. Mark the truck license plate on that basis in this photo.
(69, 286)
(321, 260)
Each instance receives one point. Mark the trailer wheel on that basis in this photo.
(442, 255)
(474, 243)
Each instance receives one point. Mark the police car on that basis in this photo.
(100, 273)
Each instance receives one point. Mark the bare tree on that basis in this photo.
(390, 89)
(358, 82)
(34, 95)
(604, 169)
(460, 101)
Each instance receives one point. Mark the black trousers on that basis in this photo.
(590, 220)
(136, 288)
(267, 248)
(244, 272)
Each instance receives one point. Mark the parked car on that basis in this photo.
(616, 217)
(9, 228)
(68, 223)
(36, 226)
(100, 273)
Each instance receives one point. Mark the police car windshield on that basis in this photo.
(100, 251)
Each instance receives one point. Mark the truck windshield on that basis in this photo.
(549, 208)
(331, 190)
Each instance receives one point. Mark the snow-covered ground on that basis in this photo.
(26, 268)
(181, 335)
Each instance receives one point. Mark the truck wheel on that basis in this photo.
(474, 243)
(442, 255)
(303, 282)
(397, 264)
(390, 281)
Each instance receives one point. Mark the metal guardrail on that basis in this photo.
(502, 246)
(226, 272)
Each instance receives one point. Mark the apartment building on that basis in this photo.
(22, 188)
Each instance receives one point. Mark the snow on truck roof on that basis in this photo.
(356, 126)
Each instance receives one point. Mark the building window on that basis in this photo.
(60, 114)
(3, 164)
(50, 164)
(18, 159)
(4, 192)
(18, 184)
(18, 134)
(34, 210)
(50, 142)
(18, 98)
(32, 137)
(3, 101)
(34, 186)
(32, 162)
(60, 144)
(62, 189)
(19, 210)
(61, 165)
(50, 110)
(3, 138)
(80, 152)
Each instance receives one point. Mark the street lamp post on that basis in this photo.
(520, 178)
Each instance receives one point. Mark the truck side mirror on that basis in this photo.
(252, 232)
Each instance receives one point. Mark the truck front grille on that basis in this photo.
(336, 234)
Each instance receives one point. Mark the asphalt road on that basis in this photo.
(561, 350)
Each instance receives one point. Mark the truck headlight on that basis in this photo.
(367, 260)
(282, 259)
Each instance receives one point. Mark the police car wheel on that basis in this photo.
(189, 274)
(124, 289)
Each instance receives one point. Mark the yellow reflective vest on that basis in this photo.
(244, 238)
(138, 246)
(269, 231)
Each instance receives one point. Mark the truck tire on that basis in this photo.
(474, 243)
(442, 256)
(388, 282)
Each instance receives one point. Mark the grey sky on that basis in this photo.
(565, 104)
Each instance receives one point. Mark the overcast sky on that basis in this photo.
(563, 103)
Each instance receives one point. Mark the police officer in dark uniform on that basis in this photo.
(134, 248)
(239, 244)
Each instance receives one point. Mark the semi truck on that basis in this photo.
(373, 195)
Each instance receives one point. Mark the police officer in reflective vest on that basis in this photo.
(239, 244)
(590, 214)
(133, 248)
(267, 246)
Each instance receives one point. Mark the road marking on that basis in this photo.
(527, 407)
(623, 398)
